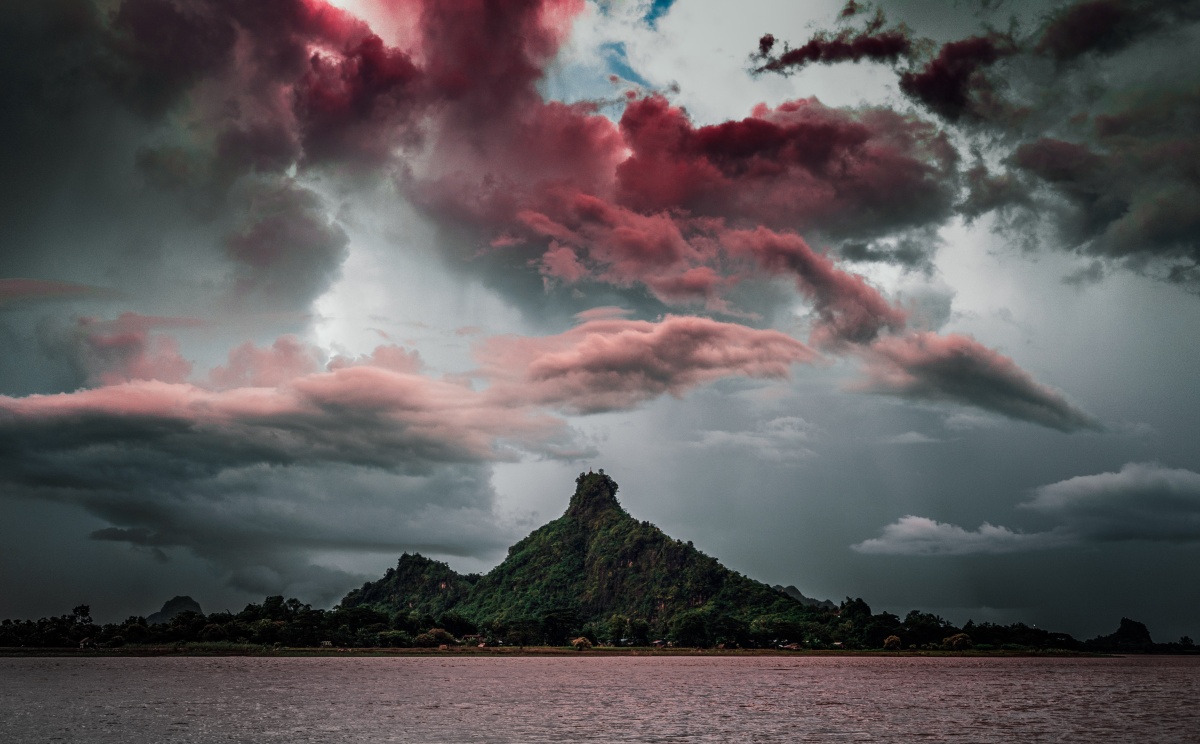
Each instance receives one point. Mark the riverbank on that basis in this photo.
(231, 649)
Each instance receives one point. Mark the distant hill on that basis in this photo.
(173, 608)
(794, 593)
(597, 568)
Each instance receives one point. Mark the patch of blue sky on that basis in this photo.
(658, 9)
(618, 63)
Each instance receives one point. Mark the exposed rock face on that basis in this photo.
(174, 607)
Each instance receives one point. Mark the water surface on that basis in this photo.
(590, 699)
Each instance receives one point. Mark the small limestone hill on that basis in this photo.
(595, 566)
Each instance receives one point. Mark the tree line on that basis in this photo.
(293, 624)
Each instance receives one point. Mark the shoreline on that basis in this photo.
(199, 650)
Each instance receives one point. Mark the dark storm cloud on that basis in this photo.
(128, 139)
(282, 457)
(872, 42)
(1105, 27)
(1103, 159)
(259, 526)
(1141, 502)
(950, 85)
(288, 250)
(914, 252)
(20, 292)
(1130, 191)
(255, 480)
(178, 147)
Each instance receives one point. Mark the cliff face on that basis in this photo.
(593, 562)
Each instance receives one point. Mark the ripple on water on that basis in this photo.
(590, 699)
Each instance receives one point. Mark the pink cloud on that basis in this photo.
(560, 262)
(849, 310)
(251, 366)
(115, 351)
(614, 364)
(958, 369)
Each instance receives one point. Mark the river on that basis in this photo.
(591, 699)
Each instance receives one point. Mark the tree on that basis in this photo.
(957, 642)
(688, 629)
(617, 628)
(639, 632)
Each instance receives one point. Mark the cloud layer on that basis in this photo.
(1140, 502)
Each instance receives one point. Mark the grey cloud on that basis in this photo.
(910, 437)
(288, 251)
(1093, 273)
(1105, 27)
(1141, 502)
(260, 526)
(913, 251)
(912, 535)
(785, 439)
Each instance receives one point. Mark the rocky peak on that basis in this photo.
(595, 495)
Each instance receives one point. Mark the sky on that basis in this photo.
(894, 301)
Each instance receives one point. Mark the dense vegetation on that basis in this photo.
(594, 576)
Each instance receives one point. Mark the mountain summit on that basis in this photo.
(595, 566)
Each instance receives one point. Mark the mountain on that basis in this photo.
(172, 608)
(794, 593)
(1130, 637)
(417, 585)
(596, 569)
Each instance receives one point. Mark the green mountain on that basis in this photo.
(595, 570)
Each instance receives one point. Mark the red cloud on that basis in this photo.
(801, 165)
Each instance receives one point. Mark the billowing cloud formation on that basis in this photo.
(957, 369)
(207, 156)
(1143, 501)
(801, 165)
(455, 118)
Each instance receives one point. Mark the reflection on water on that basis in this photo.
(564, 699)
